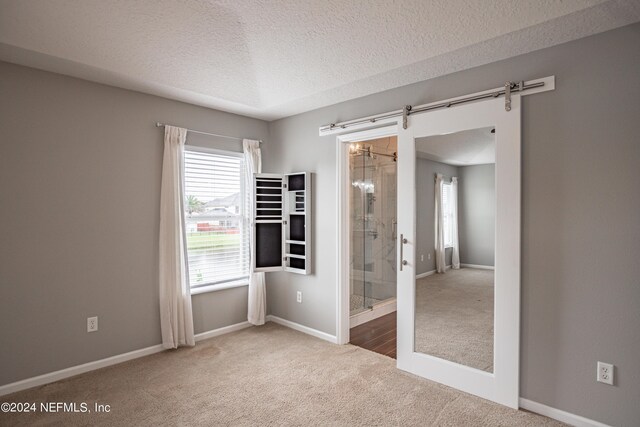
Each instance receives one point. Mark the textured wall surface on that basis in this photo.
(580, 204)
(477, 214)
(80, 168)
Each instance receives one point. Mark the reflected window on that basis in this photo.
(447, 213)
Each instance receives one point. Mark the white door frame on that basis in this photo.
(502, 385)
(343, 221)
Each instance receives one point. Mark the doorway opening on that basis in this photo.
(372, 234)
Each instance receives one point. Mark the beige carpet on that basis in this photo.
(268, 375)
(454, 317)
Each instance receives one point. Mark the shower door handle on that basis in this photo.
(403, 262)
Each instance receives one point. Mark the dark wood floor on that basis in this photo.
(377, 335)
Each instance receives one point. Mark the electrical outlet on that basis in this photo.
(92, 324)
(299, 296)
(422, 257)
(605, 373)
(429, 256)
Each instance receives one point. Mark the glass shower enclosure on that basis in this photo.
(373, 225)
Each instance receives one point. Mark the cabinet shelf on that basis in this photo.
(281, 222)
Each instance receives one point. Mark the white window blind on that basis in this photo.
(215, 216)
(447, 212)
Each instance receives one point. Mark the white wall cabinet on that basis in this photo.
(281, 221)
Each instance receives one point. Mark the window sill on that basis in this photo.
(212, 288)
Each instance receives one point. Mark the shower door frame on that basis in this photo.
(343, 220)
(377, 273)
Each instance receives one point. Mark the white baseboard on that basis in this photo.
(222, 331)
(301, 328)
(103, 363)
(428, 273)
(478, 266)
(377, 311)
(557, 414)
(78, 369)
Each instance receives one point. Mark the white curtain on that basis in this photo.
(455, 255)
(439, 226)
(176, 320)
(257, 305)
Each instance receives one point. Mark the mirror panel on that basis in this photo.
(455, 247)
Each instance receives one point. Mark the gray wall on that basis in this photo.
(580, 233)
(80, 171)
(426, 171)
(477, 214)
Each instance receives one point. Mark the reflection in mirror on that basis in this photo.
(455, 230)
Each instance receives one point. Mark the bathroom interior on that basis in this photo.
(373, 227)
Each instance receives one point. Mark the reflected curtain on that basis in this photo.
(455, 255)
(176, 319)
(257, 304)
(439, 226)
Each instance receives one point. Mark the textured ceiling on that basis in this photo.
(465, 148)
(274, 58)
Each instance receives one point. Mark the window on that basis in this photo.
(215, 217)
(447, 214)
